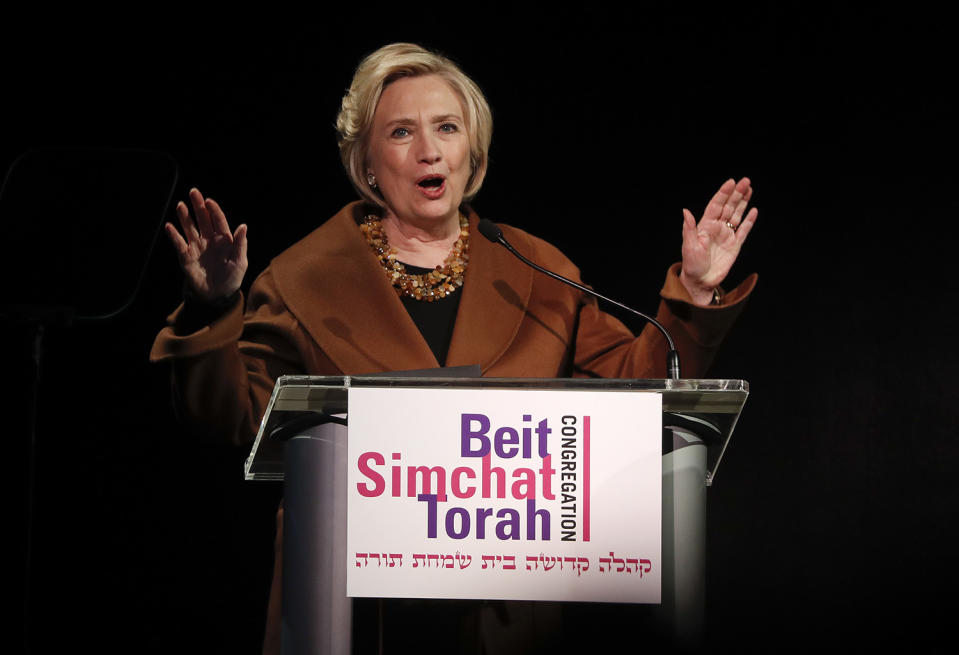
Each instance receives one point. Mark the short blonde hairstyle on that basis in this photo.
(374, 74)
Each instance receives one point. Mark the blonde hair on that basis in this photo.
(375, 73)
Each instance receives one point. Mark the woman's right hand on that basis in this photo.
(212, 258)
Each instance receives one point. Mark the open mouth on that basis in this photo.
(431, 182)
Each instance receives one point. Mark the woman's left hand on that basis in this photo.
(711, 247)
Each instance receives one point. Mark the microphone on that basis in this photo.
(491, 231)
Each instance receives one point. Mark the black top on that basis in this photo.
(435, 320)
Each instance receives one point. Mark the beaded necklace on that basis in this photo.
(434, 285)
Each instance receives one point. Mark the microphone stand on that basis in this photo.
(489, 230)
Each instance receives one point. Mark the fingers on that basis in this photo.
(692, 243)
(743, 231)
(730, 202)
(738, 201)
(181, 246)
(189, 227)
(240, 244)
(218, 218)
(208, 218)
(201, 213)
(689, 223)
(714, 210)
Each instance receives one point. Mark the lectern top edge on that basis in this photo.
(715, 401)
(599, 384)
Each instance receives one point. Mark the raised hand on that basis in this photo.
(212, 258)
(711, 247)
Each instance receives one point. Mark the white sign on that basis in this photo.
(505, 494)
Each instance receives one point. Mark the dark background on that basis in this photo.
(832, 518)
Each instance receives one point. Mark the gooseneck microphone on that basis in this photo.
(490, 230)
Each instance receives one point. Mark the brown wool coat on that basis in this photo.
(324, 307)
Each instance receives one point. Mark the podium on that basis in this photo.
(303, 441)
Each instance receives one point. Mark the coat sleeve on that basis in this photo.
(606, 348)
(224, 373)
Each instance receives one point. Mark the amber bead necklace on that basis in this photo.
(433, 285)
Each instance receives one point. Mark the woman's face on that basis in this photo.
(419, 150)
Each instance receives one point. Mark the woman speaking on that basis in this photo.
(399, 279)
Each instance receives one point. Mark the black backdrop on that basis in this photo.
(833, 515)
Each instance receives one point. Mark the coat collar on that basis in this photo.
(331, 282)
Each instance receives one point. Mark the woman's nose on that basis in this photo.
(428, 150)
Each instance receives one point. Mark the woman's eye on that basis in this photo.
(449, 127)
(401, 132)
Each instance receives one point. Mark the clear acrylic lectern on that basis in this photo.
(303, 441)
